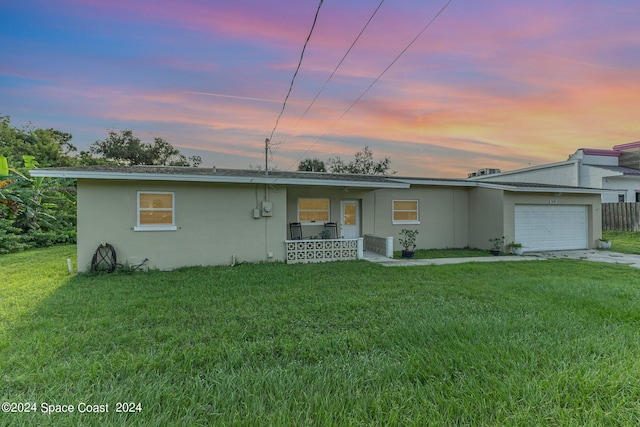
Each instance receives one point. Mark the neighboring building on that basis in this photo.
(617, 169)
(179, 216)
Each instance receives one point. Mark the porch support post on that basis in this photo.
(389, 247)
(360, 247)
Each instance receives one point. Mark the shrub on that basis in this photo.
(11, 239)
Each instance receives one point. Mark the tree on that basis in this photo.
(34, 211)
(363, 164)
(312, 165)
(124, 147)
(51, 147)
(31, 202)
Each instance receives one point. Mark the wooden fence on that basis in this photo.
(621, 216)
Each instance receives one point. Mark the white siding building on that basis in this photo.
(617, 169)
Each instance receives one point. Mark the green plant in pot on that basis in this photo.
(604, 244)
(497, 243)
(516, 248)
(408, 242)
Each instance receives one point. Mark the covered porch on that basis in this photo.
(328, 223)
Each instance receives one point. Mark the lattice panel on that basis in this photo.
(300, 251)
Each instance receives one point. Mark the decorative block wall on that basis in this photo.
(304, 251)
(380, 245)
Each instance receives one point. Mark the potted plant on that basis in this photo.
(408, 242)
(496, 245)
(604, 244)
(516, 248)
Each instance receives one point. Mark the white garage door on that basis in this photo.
(551, 227)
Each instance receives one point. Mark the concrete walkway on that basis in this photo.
(588, 255)
(594, 255)
(388, 262)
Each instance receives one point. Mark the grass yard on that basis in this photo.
(623, 241)
(339, 344)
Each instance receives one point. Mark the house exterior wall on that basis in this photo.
(442, 214)
(591, 201)
(630, 158)
(492, 213)
(583, 169)
(215, 222)
(486, 216)
(599, 160)
(602, 178)
(449, 217)
(629, 185)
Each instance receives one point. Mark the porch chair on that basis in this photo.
(295, 229)
(332, 228)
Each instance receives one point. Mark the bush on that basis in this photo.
(41, 239)
(13, 239)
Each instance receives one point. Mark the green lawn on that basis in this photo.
(623, 241)
(340, 344)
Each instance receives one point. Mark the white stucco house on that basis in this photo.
(617, 169)
(179, 216)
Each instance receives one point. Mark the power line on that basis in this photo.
(334, 71)
(377, 79)
(284, 104)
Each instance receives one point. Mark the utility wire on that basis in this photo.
(375, 81)
(315, 19)
(333, 73)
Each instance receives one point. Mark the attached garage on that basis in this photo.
(551, 227)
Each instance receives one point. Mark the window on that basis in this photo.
(155, 211)
(313, 210)
(621, 198)
(405, 212)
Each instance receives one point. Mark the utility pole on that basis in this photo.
(266, 156)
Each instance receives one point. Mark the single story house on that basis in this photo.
(617, 169)
(180, 216)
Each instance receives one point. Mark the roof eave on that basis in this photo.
(260, 179)
(533, 189)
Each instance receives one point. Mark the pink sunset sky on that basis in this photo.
(499, 84)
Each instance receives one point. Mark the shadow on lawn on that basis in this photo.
(68, 351)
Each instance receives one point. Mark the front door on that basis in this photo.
(349, 219)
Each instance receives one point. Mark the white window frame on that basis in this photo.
(315, 222)
(393, 211)
(162, 227)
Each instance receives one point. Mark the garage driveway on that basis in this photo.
(592, 255)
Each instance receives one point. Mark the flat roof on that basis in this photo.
(241, 176)
(217, 175)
